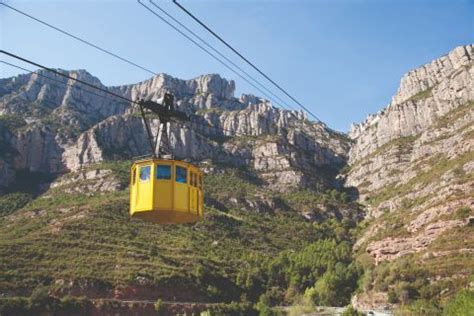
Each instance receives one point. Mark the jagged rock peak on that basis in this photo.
(420, 83)
(155, 87)
(249, 99)
(429, 75)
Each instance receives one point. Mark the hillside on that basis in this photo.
(295, 213)
(413, 166)
(276, 217)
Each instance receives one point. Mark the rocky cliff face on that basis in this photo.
(413, 166)
(66, 126)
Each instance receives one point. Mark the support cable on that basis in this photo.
(205, 50)
(67, 76)
(220, 54)
(245, 59)
(64, 83)
(128, 61)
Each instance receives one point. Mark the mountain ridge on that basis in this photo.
(397, 190)
(412, 164)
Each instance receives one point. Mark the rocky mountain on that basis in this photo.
(284, 196)
(64, 126)
(271, 198)
(413, 165)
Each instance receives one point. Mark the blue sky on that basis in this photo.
(341, 59)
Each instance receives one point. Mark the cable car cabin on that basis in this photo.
(166, 191)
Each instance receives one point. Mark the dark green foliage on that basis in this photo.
(351, 311)
(12, 122)
(159, 306)
(14, 306)
(392, 296)
(75, 305)
(404, 280)
(420, 308)
(272, 297)
(461, 305)
(230, 183)
(121, 170)
(309, 198)
(323, 269)
(336, 285)
(40, 302)
(233, 255)
(9, 203)
(232, 309)
(463, 212)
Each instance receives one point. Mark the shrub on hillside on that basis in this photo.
(463, 212)
(9, 203)
(232, 309)
(40, 300)
(159, 306)
(461, 304)
(14, 306)
(351, 311)
(334, 288)
(420, 308)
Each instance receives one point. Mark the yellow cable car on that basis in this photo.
(165, 191)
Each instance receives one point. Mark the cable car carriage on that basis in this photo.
(164, 190)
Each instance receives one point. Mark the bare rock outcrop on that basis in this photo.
(421, 100)
(391, 248)
(412, 164)
(69, 127)
(88, 181)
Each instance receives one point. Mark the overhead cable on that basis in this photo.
(243, 57)
(128, 61)
(223, 130)
(220, 54)
(67, 76)
(205, 50)
(106, 51)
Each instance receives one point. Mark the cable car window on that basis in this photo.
(145, 173)
(134, 176)
(163, 172)
(193, 181)
(181, 174)
(200, 182)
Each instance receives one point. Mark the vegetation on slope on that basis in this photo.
(423, 282)
(86, 244)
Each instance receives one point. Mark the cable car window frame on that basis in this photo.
(199, 181)
(147, 177)
(134, 176)
(179, 178)
(159, 175)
